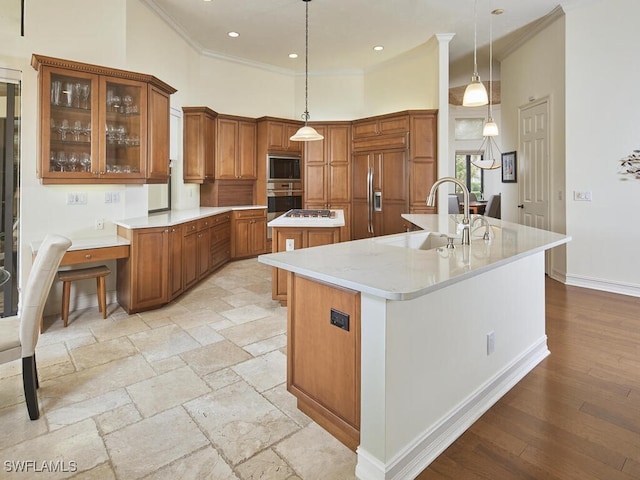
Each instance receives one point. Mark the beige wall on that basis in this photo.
(533, 72)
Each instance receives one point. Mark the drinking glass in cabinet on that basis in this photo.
(56, 89)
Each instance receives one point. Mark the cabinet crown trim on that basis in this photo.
(38, 61)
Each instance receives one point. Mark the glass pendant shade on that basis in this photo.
(475, 95)
(306, 134)
(490, 128)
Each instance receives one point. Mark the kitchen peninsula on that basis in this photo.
(171, 252)
(397, 344)
(300, 228)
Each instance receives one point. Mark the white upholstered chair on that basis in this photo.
(19, 334)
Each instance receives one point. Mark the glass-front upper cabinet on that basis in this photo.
(124, 141)
(97, 126)
(69, 116)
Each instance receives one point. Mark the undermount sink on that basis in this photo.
(420, 240)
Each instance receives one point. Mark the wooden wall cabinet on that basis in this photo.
(323, 360)
(248, 232)
(100, 125)
(278, 134)
(404, 168)
(327, 167)
(236, 148)
(199, 133)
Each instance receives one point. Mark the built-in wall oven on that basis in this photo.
(282, 197)
(284, 185)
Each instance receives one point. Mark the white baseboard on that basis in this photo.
(417, 456)
(604, 285)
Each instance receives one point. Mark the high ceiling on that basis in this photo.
(342, 33)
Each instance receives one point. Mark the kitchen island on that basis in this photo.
(397, 344)
(301, 228)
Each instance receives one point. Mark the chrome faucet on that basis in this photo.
(431, 200)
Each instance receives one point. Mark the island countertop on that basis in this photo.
(392, 272)
(337, 220)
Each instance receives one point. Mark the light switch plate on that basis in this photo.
(582, 195)
(290, 244)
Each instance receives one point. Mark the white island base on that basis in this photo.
(426, 372)
(441, 334)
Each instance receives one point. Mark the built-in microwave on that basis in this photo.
(283, 168)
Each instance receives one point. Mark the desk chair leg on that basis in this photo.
(29, 382)
(66, 294)
(102, 295)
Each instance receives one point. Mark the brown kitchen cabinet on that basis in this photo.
(403, 165)
(327, 177)
(248, 232)
(278, 135)
(176, 283)
(380, 125)
(236, 148)
(220, 240)
(100, 125)
(199, 132)
(142, 282)
(323, 355)
(165, 262)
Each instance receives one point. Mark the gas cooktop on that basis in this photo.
(297, 212)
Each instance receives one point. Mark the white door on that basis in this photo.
(533, 181)
(533, 165)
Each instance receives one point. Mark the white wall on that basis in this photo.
(602, 126)
(534, 71)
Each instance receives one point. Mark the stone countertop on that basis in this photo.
(175, 217)
(393, 272)
(309, 222)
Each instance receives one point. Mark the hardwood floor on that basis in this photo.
(577, 414)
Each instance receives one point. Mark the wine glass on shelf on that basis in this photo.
(77, 89)
(127, 100)
(62, 160)
(73, 161)
(77, 130)
(68, 91)
(85, 91)
(116, 103)
(63, 128)
(85, 161)
(87, 131)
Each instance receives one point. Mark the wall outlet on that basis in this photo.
(108, 197)
(582, 195)
(76, 198)
(290, 244)
(100, 224)
(491, 342)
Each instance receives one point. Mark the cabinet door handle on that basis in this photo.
(87, 256)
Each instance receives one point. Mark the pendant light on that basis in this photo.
(306, 133)
(489, 151)
(475, 94)
(490, 127)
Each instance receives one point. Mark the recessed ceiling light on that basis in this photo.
(498, 11)
(232, 34)
(293, 55)
(378, 48)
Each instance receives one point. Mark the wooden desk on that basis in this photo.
(91, 250)
(475, 208)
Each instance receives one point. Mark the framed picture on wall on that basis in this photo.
(509, 167)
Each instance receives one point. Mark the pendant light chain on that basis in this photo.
(305, 115)
(475, 37)
(491, 66)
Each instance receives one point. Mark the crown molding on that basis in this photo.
(524, 34)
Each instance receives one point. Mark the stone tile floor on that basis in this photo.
(194, 390)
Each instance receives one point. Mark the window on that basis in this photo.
(469, 174)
